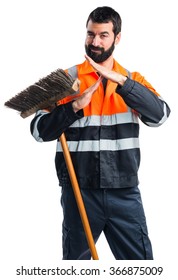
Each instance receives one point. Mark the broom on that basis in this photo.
(44, 94)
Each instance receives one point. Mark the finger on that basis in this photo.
(87, 57)
(99, 79)
(90, 60)
(97, 82)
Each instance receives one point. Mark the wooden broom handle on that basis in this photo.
(78, 197)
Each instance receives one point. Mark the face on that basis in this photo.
(100, 41)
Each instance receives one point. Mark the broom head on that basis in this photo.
(43, 94)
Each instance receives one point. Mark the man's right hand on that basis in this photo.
(82, 101)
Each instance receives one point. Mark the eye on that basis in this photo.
(103, 36)
(90, 35)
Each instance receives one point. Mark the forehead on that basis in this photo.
(100, 27)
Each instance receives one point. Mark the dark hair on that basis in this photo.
(104, 15)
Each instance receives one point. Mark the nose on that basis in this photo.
(96, 41)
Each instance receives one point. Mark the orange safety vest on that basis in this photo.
(102, 103)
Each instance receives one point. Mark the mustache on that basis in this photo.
(91, 47)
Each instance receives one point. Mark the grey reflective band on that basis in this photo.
(164, 118)
(106, 120)
(35, 129)
(129, 74)
(73, 72)
(101, 145)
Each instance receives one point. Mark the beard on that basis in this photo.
(99, 57)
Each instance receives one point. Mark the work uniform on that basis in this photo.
(103, 140)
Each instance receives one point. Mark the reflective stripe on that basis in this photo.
(102, 145)
(73, 72)
(164, 118)
(109, 120)
(35, 129)
(129, 74)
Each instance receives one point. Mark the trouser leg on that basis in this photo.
(126, 229)
(75, 245)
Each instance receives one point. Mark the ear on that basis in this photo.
(118, 37)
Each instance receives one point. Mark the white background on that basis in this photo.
(38, 37)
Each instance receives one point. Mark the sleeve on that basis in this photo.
(48, 126)
(142, 98)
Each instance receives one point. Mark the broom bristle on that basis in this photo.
(44, 93)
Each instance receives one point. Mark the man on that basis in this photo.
(102, 130)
